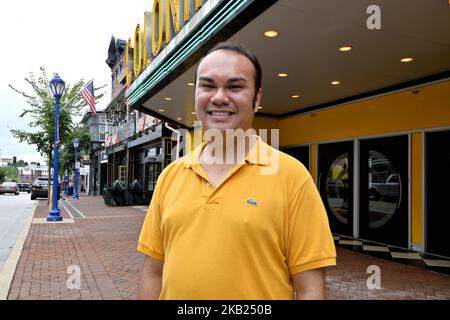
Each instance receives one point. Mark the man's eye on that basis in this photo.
(235, 87)
(206, 85)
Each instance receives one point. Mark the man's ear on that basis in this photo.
(257, 100)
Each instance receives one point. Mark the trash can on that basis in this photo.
(118, 193)
(134, 194)
(108, 197)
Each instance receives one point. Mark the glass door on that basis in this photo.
(152, 171)
(437, 175)
(384, 199)
(335, 177)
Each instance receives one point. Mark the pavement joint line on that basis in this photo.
(67, 210)
(78, 211)
(45, 221)
(9, 268)
(118, 216)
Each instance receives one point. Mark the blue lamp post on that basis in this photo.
(57, 86)
(76, 143)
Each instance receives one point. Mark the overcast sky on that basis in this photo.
(67, 37)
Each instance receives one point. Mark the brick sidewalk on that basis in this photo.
(103, 245)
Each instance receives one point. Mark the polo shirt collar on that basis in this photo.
(259, 155)
(193, 157)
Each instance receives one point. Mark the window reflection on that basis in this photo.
(337, 189)
(384, 189)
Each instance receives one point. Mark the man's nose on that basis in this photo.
(220, 98)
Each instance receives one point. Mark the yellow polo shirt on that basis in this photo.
(243, 239)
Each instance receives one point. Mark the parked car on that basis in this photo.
(9, 187)
(388, 188)
(39, 189)
(24, 187)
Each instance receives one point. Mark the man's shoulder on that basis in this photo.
(290, 169)
(291, 162)
(286, 161)
(176, 165)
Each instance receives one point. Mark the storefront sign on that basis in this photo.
(160, 26)
(126, 131)
(111, 140)
(146, 122)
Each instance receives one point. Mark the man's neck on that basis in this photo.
(229, 151)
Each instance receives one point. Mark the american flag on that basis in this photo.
(88, 95)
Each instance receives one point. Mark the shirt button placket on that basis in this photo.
(206, 189)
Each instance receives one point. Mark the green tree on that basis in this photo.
(19, 163)
(9, 173)
(67, 153)
(41, 110)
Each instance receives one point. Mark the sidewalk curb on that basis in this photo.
(9, 268)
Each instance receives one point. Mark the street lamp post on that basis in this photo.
(57, 86)
(76, 143)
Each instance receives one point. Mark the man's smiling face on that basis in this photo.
(225, 91)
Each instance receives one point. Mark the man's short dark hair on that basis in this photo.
(239, 48)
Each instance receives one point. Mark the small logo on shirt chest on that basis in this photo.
(252, 202)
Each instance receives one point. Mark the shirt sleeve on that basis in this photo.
(151, 241)
(310, 244)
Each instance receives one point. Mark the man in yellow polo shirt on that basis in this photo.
(227, 230)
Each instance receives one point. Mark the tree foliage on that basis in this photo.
(67, 153)
(9, 173)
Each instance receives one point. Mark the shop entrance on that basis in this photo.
(437, 173)
(384, 199)
(152, 171)
(335, 177)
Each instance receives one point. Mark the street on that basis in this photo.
(13, 213)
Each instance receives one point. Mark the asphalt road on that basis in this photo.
(13, 213)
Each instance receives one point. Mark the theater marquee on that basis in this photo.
(160, 26)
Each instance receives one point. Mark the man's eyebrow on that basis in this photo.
(203, 78)
(235, 79)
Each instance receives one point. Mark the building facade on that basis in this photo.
(31, 172)
(137, 145)
(93, 175)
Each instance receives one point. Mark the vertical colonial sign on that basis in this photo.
(118, 74)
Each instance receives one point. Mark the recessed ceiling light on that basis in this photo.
(295, 96)
(179, 119)
(161, 110)
(168, 99)
(193, 112)
(259, 108)
(345, 48)
(335, 83)
(406, 59)
(271, 34)
(282, 75)
(190, 84)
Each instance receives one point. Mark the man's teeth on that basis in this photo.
(221, 113)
